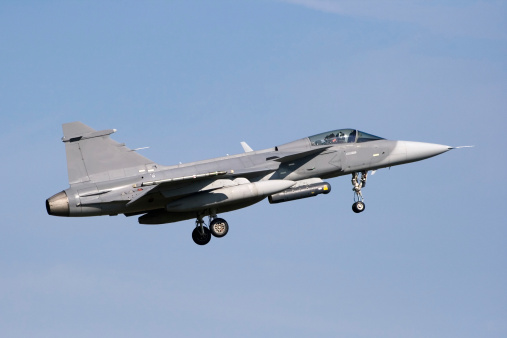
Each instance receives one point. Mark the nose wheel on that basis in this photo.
(358, 207)
(218, 227)
(358, 184)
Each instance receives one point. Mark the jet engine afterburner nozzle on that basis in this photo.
(58, 204)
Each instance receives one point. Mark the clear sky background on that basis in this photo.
(191, 79)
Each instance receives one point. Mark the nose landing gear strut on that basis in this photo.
(358, 184)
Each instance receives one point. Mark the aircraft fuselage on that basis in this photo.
(111, 197)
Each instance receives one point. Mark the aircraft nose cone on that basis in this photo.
(58, 204)
(419, 150)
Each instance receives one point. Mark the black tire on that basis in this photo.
(219, 227)
(199, 238)
(358, 207)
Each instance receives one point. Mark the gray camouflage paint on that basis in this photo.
(107, 178)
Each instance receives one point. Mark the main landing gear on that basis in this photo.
(218, 227)
(357, 184)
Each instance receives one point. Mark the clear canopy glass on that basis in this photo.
(342, 136)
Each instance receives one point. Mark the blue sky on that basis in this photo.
(191, 79)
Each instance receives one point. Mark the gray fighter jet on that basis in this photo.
(107, 178)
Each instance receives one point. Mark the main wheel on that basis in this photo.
(219, 227)
(200, 238)
(358, 207)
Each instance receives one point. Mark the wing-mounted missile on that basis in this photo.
(302, 189)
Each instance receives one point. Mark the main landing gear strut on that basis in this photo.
(357, 184)
(218, 227)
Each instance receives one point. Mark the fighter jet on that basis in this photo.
(107, 178)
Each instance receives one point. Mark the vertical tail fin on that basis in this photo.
(93, 156)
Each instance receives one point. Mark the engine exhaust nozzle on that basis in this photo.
(58, 204)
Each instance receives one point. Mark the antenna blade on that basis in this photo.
(246, 147)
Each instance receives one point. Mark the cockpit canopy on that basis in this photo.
(342, 136)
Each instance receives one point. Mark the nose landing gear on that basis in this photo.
(218, 227)
(357, 184)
